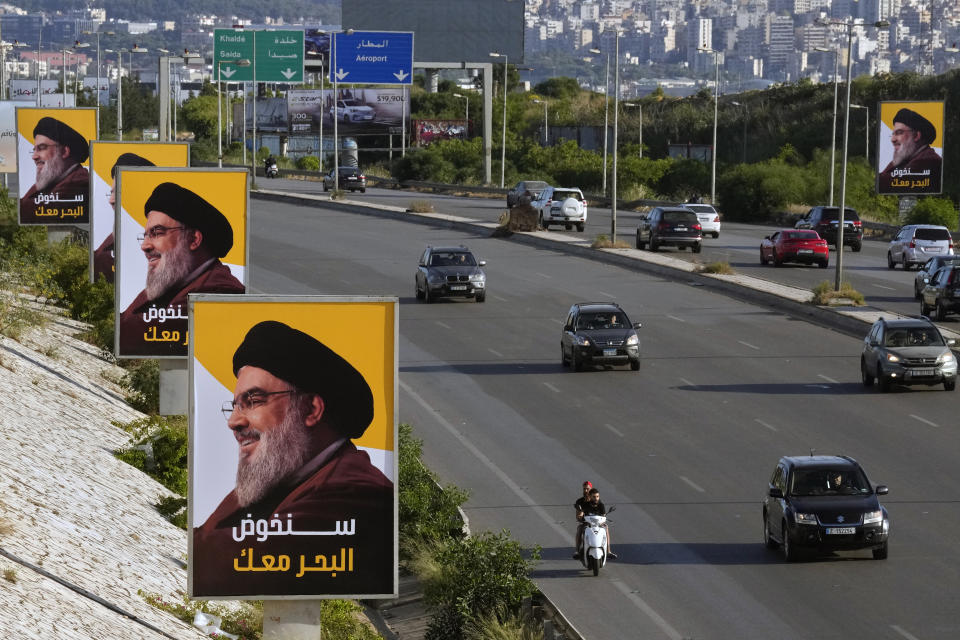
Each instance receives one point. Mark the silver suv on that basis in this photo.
(907, 351)
(450, 272)
(915, 243)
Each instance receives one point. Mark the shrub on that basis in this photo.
(158, 447)
(142, 381)
(721, 267)
(824, 293)
(308, 163)
(934, 211)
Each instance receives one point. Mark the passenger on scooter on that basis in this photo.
(591, 507)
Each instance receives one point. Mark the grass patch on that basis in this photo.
(824, 294)
(502, 624)
(720, 267)
(245, 621)
(10, 575)
(420, 206)
(338, 194)
(602, 241)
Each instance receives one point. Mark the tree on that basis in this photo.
(199, 115)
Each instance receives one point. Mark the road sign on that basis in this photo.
(372, 57)
(279, 55)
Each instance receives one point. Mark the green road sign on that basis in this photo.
(279, 55)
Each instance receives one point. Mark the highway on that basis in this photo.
(683, 448)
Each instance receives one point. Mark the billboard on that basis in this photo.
(177, 231)
(271, 115)
(910, 148)
(447, 30)
(293, 454)
(25, 90)
(53, 147)
(359, 111)
(8, 136)
(105, 157)
(90, 84)
(428, 131)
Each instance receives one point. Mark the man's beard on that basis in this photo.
(906, 150)
(280, 452)
(51, 170)
(174, 266)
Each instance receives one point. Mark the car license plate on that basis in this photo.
(609, 352)
(805, 251)
(919, 373)
(458, 287)
(680, 229)
(841, 531)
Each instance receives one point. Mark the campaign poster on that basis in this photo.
(293, 447)
(8, 136)
(53, 151)
(358, 111)
(910, 148)
(177, 232)
(105, 158)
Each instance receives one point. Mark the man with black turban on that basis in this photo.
(916, 167)
(103, 256)
(296, 406)
(62, 182)
(185, 238)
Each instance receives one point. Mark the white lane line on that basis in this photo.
(924, 421)
(764, 424)
(544, 275)
(550, 521)
(498, 298)
(687, 382)
(693, 484)
(677, 319)
(495, 352)
(820, 375)
(444, 325)
(672, 633)
(747, 344)
(551, 387)
(880, 286)
(903, 632)
(560, 322)
(604, 293)
(614, 429)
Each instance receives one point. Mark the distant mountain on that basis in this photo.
(326, 11)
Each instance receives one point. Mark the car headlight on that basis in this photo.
(893, 357)
(581, 341)
(872, 517)
(477, 277)
(633, 340)
(806, 518)
(436, 278)
(946, 358)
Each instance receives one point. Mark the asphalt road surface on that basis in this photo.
(683, 448)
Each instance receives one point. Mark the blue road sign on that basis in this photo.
(372, 57)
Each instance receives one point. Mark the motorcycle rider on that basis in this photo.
(269, 162)
(590, 505)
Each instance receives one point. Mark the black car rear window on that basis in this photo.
(829, 215)
(680, 216)
(825, 482)
(931, 234)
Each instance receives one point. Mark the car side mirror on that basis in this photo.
(482, 263)
(882, 490)
(951, 342)
(612, 509)
(874, 343)
(775, 492)
(568, 327)
(766, 237)
(637, 325)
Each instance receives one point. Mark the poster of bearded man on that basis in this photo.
(293, 447)
(53, 148)
(910, 148)
(178, 231)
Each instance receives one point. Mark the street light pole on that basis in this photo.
(606, 115)
(738, 104)
(833, 139)
(466, 117)
(616, 111)
(503, 144)
(545, 123)
(866, 129)
(713, 150)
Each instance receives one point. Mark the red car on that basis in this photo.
(795, 245)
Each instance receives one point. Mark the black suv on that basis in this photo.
(670, 226)
(823, 503)
(450, 272)
(824, 220)
(941, 292)
(599, 333)
(907, 351)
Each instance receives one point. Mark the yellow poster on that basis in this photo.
(105, 158)
(178, 231)
(53, 148)
(910, 148)
(293, 447)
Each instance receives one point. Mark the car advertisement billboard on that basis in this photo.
(910, 148)
(358, 112)
(293, 454)
(177, 231)
(105, 158)
(53, 150)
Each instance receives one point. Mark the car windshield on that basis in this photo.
(802, 235)
(913, 337)
(602, 320)
(828, 482)
(832, 214)
(563, 195)
(931, 234)
(532, 185)
(452, 259)
(679, 216)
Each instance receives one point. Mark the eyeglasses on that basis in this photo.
(43, 146)
(249, 400)
(156, 232)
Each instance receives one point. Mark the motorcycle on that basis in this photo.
(271, 169)
(593, 550)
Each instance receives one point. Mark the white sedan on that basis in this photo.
(708, 217)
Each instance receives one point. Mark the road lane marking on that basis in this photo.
(747, 344)
(762, 423)
(820, 375)
(548, 519)
(444, 325)
(904, 633)
(924, 421)
(604, 293)
(677, 319)
(693, 484)
(557, 321)
(880, 286)
(544, 275)
(687, 382)
(614, 429)
(498, 298)
(551, 387)
(495, 352)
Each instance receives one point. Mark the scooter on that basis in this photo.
(271, 170)
(593, 552)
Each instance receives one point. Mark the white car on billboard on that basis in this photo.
(349, 110)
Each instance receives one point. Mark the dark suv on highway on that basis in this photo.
(907, 351)
(450, 272)
(825, 220)
(599, 333)
(823, 503)
(670, 226)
